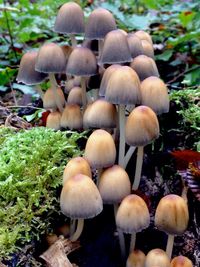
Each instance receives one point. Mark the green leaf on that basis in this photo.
(165, 56)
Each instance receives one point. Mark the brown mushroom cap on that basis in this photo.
(132, 215)
(154, 94)
(136, 259)
(144, 36)
(51, 59)
(115, 49)
(172, 215)
(123, 87)
(70, 19)
(135, 45)
(142, 126)
(147, 48)
(49, 98)
(80, 198)
(144, 67)
(77, 165)
(82, 62)
(100, 149)
(99, 23)
(157, 257)
(114, 185)
(53, 120)
(27, 73)
(181, 261)
(72, 117)
(93, 116)
(75, 96)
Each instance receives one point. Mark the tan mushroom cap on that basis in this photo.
(106, 76)
(172, 215)
(142, 126)
(135, 45)
(144, 36)
(115, 49)
(114, 185)
(77, 165)
(147, 48)
(93, 116)
(157, 257)
(181, 261)
(72, 117)
(49, 101)
(53, 120)
(99, 23)
(136, 259)
(27, 73)
(132, 215)
(100, 149)
(75, 96)
(144, 67)
(81, 62)
(155, 94)
(70, 19)
(51, 59)
(80, 198)
(123, 87)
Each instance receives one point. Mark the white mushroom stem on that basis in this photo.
(138, 170)
(39, 91)
(132, 243)
(54, 88)
(84, 96)
(121, 235)
(72, 226)
(128, 155)
(79, 230)
(73, 40)
(121, 111)
(100, 47)
(170, 243)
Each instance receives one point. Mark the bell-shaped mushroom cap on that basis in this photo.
(157, 257)
(75, 96)
(136, 259)
(82, 62)
(144, 66)
(51, 59)
(115, 49)
(181, 261)
(100, 149)
(27, 73)
(49, 101)
(114, 185)
(77, 165)
(172, 215)
(135, 45)
(53, 120)
(123, 87)
(66, 50)
(71, 83)
(72, 117)
(70, 19)
(80, 198)
(93, 116)
(154, 95)
(132, 215)
(142, 126)
(99, 23)
(147, 49)
(144, 36)
(106, 77)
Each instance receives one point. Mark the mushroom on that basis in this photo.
(144, 36)
(53, 120)
(135, 45)
(172, 217)
(49, 100)
(70, 20)
(157, 257)
(80, 199)
(72, 117)
(136, 259)
(181, 261)
(142, 127)
(147, 48)
(75, 96)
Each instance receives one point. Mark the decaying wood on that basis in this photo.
(56, 255)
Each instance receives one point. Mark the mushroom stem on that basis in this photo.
(132, 243)
(72, 226)
(73, 40)
(99, 172)
(100, 47)
(184, 191)
(170, 243)
(128, 155)
(39, 91)
(54, 88)
(138, 170)
(121, 111)
(79, 230)
(83, 86)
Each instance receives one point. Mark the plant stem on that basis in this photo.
(128, 155)
(73, 40)
(132, 243)
(84, 97)
(170, 243)
(138, 169)
(54, 88)
(121, 112)
(79, 230)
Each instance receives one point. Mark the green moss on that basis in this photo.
(32, 164)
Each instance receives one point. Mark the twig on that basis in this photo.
(10, 107)
(182, 74)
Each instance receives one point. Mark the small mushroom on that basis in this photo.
(75, 96)
(53, 120)
(157, 257)
(181, 261)
(136, 259)
(72, 117)
(144, 36)
(49, 101)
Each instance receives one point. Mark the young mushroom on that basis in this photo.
(157, 257)
(181, 261)
(53, 120)
(72, 117)
(144, 36)
(75, 96)
(147, 48)
(136, 259)
(135, 45)
(172, 217)
(49, 101)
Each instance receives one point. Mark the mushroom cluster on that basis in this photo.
(111, 86)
